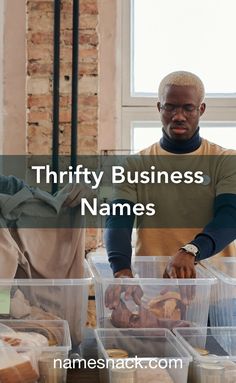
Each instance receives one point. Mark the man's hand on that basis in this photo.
(182, 265)
(125, 273)
(113, 292)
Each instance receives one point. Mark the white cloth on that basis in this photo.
(54, 252)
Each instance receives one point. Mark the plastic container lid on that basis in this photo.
(175, 349)
(86, 280)
(223, 268)
(148, 265)
(220, 342)
(36, 326)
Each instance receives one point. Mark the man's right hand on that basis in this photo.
(125, 273)
(113, 292)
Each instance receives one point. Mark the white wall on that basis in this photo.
(109, 74)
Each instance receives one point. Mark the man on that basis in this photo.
(180, 104)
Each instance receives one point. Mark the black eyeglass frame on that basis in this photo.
(186, 108)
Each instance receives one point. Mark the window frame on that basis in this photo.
(221, 109)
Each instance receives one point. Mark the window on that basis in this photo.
(145, 133)
(198, 36)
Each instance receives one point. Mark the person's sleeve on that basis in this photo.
(11, 184)
(125, 190)
(117, 237)
(221, 230)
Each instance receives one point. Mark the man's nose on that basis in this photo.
(178, 114)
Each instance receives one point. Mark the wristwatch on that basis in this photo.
(190, 248)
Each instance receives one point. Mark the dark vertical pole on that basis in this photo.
(74, 95)
(56, 94)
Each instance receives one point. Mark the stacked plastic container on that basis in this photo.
(33, 351)
(138, 355)
(214, 353)
(188, 299)
(223, 299)
(48, 299)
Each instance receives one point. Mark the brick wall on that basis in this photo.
(39, 80)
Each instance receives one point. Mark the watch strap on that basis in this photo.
(192, 249)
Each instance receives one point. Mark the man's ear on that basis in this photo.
(202, 108)
(159, 106)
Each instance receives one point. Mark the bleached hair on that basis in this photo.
(182, 78)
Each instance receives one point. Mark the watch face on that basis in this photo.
(191, 249)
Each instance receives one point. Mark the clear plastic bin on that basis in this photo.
(223, 298)
(23, 361)
(135, 355)
(214, 353)
(166, 303)
(48, 299)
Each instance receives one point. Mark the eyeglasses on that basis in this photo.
(187, 109)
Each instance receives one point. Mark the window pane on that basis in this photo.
(197, 36)
(145, 134)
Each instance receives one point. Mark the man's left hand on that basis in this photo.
(181, 265)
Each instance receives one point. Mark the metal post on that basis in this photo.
(74, 95)
(56, 94)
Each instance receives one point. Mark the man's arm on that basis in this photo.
(118, 244)
(215, 236)
(221, 230)
(117, 239)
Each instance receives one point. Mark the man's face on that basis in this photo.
(180, 110)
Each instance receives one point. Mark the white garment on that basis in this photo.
(54, 252)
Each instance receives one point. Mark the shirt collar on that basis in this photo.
(179, 146)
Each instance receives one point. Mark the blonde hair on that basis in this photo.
(182, 78)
